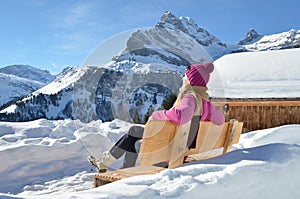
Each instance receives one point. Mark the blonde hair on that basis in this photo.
(199, 92)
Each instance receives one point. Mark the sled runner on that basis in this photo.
(162, 144)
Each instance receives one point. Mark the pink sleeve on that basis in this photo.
(180, 114)
(211, 113)
(185, 111)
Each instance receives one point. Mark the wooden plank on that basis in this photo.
(112, 176)
(243, 114)
(202, 156)
(264, 117)
(158, 139)
(237, 133)
(258, 102)
(256, 117)
(297, 120)
(233, 135)
(218, 138)
(179, 146)
(202, 133)
(277, 116)
(250, 118)
(229, 136)
(298, 115)
(295, 115)
(210, 136)
(283, 115)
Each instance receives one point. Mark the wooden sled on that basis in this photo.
(164, 145)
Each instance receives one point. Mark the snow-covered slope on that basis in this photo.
(17, 81)
(266, 74)
(13, 87)
(67, 77)
(29, 72)
(46, 159)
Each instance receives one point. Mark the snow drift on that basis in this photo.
(265, 164)
(266, 74)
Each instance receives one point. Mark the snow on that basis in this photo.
(29, 73)
(42, 159)
(47, 158)
(62, 81)
(141, 67)
(276, 41)
(266, 74)
(70, 76)
(12, 87)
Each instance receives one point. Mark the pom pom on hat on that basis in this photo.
(199, 74)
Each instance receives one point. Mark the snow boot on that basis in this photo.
(102, 163)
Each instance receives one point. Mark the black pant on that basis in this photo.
(126, 144)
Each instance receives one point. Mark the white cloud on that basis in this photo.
(74, 16)
(71, 26)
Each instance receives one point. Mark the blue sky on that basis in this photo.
(53, 34)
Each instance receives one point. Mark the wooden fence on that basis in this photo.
(260, 113)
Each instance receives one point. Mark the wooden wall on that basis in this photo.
(260, 113)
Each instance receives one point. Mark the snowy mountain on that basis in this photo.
(13, 87)
(216, 48)
(211, 44)
(18, 81)
(251, 37)
(284, 40)
(52, 101)
(90, 93)
(163, 46)
(29, 72)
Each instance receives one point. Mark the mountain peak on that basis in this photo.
(250, 37)
(167, 16)
(188, 26)
(169, 20)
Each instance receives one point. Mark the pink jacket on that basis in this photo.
(185, 111)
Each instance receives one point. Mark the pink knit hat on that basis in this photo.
(198, 74)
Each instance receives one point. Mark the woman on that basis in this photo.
(192, 102)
